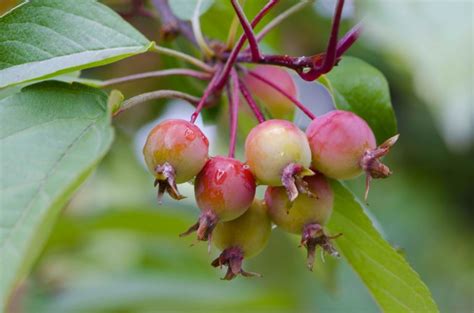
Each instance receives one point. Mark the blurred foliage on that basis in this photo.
(115, 250)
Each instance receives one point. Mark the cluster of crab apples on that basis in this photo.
(293, 164)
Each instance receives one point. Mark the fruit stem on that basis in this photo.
(281, 17)
(349, 38)
(235, 51)
(251, 102)
(234, 111)
(256, 56)
(284, 93)
(162, 73)
(159, 94)
(207, 92)
(182, 56)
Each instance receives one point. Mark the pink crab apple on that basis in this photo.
(278, 105)
(242, 238)
(343, 146)
(224, 190)
(307, 216)
(278, 154)
(175, 151)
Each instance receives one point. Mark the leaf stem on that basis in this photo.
(198, 33)
(281, 17)
(183, 56)
(284, 93)
(169, 72)
(159, 94)
(234, 111)
(235, 51)
(251, 102)
(256, 56)
(207, 92)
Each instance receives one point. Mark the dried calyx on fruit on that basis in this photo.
(224, 190)
(175, 151)
(242, 238)
(278, 154)
(307, 216)
(343, 146)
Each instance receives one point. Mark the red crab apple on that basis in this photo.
(343, 146)
(278, 154)
(175, 151)
(279, 106)
(307, 216)
(242, 238)
(224, 190)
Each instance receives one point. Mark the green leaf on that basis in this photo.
(51, 136)
(359, 87)
(184, 9)
(395, 286)
(44, 38)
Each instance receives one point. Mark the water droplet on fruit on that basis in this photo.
(220, 176)
(189, 134)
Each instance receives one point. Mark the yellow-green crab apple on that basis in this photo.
(279, 106)
(343, 146)
(224, 190)
(278, 154)
(242, 238)
(307, 216)
(175, 152)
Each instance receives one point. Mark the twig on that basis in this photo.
(251, 102)
(235, 51)
(183, 56)
(281, 17)
(171, 26)
(234, 111)
(247, 30)
(159, 94)
(169, 72)
(284, 93)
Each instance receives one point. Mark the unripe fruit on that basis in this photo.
(175, 151)
(278, 154)
(242, 238)
(307, 216)
(224, 190)
(343, 146)
(277, 104)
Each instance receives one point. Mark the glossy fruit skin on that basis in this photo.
(273, 145)
(338, 140)
(250, 232)
(279, 106)
(305, 209)
(179, 143)
(226, 187)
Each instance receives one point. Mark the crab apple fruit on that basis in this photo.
(274, 102)
(242, 238)
(343, 146)
(175, 151)
(307, 216)
(278, 154)
(224, 190)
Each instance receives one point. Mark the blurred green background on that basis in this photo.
(115, 250)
